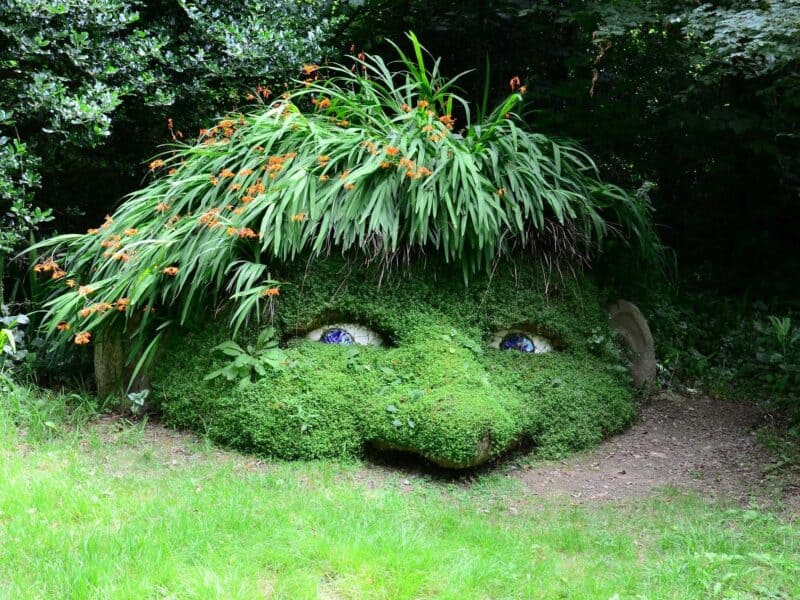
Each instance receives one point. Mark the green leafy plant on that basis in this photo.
(252, 361)
(13, 350)
(19, 177)
(370, 160)
(777, 360)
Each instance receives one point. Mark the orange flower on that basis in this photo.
(122, 304)
(405, 107)
(324, 177)
(343, 123)
(273, 291)
(162, 207)
(209, 218)
(121, 256)
(83, 338)
(349, 186)
(234, 187)
(424, 171)
(71, 283)
(301, 216)
(323, 159)
(227, 173)
(257, 188)
(131, 231)
(63, 326)
(247, 199)
(523, 89)
(85, 312)
(392, 151)
(58, 274)
(92, 231)
(156, 164)
(46, 266)
(171, 271)
(101, 307)
(112, 242)
(172, 171)
(422, 104)
(514, 83)
(501, 192)
(108, 222)
(448, 121)
(385, 164)
(85, 290)
(324, 103)
(245, 172)
(309, 69)
(214, 180)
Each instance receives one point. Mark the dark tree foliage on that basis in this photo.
(699, 99)
(87, 88)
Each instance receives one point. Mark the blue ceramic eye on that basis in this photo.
(517, 341)
(336, 335)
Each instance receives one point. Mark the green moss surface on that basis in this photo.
(436, 388)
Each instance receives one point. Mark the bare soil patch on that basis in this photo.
(688, 442)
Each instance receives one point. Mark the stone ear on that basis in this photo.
(632, 327)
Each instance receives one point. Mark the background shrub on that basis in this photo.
(88, 90)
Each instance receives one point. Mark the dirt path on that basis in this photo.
(687, 442)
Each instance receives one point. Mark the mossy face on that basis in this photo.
(436, 387)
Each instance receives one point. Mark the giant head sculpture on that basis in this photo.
(418, 261)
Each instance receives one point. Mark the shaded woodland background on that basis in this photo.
(695, 105)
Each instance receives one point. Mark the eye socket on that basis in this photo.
(521, 341)
(345, 334)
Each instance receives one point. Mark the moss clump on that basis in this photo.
(436, 388)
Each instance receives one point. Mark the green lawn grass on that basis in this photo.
(111, 513)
